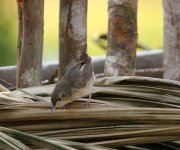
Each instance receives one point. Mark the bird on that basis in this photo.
(77, 82)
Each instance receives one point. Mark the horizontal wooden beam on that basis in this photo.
(146, 61)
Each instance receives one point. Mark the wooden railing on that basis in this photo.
(122, 38)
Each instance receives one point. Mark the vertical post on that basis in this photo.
(20, 5)
(172, 39)
(73, 32)
(30, 42)
(122, 37)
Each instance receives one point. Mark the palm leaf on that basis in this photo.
(124, 111)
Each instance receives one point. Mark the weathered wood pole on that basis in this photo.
(73, 32)
(122, 37)
(172, 39)
(20, 4)
(30, 42)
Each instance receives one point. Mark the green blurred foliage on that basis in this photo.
(150, 22)
(8, 32)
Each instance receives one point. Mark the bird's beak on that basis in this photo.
(53, 109)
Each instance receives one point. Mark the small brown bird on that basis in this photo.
(76, 82)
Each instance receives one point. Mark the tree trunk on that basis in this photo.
(122, 38)
(30, 42)
(172, 39)
(73, 32)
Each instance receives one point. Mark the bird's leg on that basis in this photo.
(65, 107)
(90, 96)
(88, 101)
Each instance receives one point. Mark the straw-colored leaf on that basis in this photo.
(124, 111)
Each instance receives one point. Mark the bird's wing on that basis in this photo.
(75, 66)
(79, 75)
(61, 89)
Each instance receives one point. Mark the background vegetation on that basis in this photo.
(150, 24)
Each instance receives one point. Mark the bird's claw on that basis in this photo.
(88, 102)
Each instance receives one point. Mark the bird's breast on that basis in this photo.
(85, 90)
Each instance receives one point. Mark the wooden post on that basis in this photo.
(172, 39)
(20, 4)
(122, 38)
(30, 42)
(73, 32)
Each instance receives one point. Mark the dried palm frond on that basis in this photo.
(124, 111)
